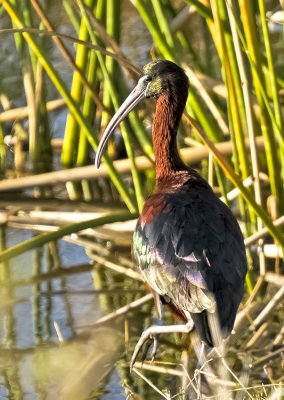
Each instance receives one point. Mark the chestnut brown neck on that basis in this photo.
(166, 120)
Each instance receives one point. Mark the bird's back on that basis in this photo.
(190, 250)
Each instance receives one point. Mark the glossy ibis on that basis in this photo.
(188, 244)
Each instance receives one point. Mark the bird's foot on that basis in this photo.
(151, 334)
(148, 337)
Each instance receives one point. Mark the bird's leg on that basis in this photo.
(201, 357)
(155, 330)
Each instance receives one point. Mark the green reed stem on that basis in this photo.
(70, 143)
(59, 84)
(235, 105)
(89, 107)
(71, 14)
(232, 79)
(135, 122)
(109, 80)
(272, 76)
(252, 42)
(262, 89)
(203, 10)
(29, 70)
(249, 121)
(236, 81)
(146, 12)
(27, 18)
(163, 23)
(89, 111)
(112, 29)
(195, 105)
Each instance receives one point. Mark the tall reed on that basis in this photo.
(34, 86)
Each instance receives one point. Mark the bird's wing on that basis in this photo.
(192, 243)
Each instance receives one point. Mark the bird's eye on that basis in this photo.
(148, 78)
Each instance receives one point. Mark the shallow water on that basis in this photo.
(93, 361)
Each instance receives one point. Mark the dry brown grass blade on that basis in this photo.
(268, 308)
(123, 310)
(118, 268)
(190, 155)
(23, 112)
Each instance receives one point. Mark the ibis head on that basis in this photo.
(159, 77)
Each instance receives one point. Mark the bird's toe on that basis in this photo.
(147, 338)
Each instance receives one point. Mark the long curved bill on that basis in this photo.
(134, 98)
